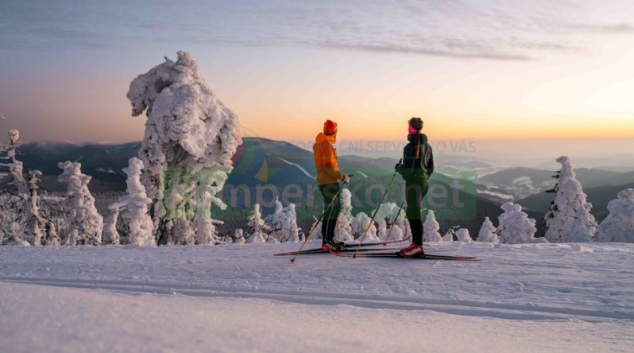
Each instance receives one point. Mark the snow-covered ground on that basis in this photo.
(240, 298)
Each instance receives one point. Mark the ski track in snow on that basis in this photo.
(299, 167)
(521, 282)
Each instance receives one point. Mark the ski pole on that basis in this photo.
(389, 184)
(310, 234)
(393, 224)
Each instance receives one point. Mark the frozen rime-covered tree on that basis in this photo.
(584, 228)
(52, 238)
(135, 204)
(190, 137)
(431, 228)
(110, 233)
(515, 226)
(488, 232)
(14, 135)
(361, 223)
(85, 222)
(569, 199)
(399, 228)
(34, 221)
(238, 236)
(283, 223)
(448, 237)
(618, 226)
(383, 215)
(257, 227)
(463, 235)
(343, 231)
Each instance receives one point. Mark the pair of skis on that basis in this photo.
(353, 250)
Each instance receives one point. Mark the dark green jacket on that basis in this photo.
(417, 168)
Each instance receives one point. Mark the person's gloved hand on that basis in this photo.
(346, 179)
(399, 164)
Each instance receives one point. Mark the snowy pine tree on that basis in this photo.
(515, 226)
(618, 226)
(584, 227)
(488, 233)
(360, 224)
(463, 235)
(190, 137)
(343, 231)
(257, 227)
(135, 204)
(431, 228)
(384, 213)
(110, 234)
(399, 222)
(448, 237)
(85, 222)
(52, 239)
(16, 196)
(283, 223)
(569, 199)
(34, 221)
(238, 236)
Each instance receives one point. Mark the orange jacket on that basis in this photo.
(326, 160)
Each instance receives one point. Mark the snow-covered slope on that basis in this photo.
(570, 297)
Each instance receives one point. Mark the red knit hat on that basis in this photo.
(330, 128)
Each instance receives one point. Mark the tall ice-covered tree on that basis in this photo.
(190, 137)
(86, 224)
(566, 206)
(618, 226)
(431, 228)
(515, 226)
(488, 233)
(135, 205)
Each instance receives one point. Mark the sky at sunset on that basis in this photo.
(475, 70)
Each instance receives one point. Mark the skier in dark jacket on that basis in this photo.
(417, 167)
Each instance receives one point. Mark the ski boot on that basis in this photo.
(412, 250)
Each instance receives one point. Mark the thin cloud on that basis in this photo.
(478, 29)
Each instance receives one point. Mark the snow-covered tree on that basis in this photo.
(343, 231)
(190, 137)
(14, 135)
(361, 223)
(110, 233)
(15, 195)
(448, 237)
(384, 213)
(515, 226)
(238, 236)
(488, 233)
(463, 235)
(257, 227)
(399, 228)
(34, 224)
(13, 236)
(618, 226)
(316, 230)
(431, 228)
(135, 204)
(584, 226)
(85, 222)
(52, 239)
(283, 223)
(569, 199)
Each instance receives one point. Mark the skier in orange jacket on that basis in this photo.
(328, 177)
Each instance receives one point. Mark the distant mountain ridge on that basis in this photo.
(262, 161)
(519, 183)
